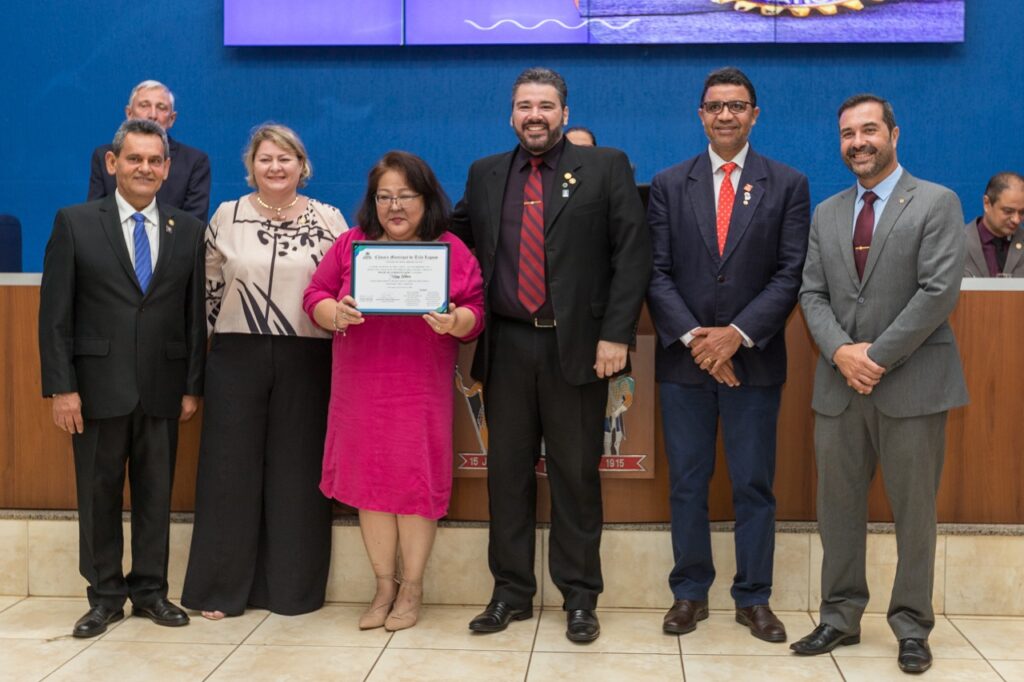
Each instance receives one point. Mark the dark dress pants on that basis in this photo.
(148, 446)
(527, 398)
(749, 416)
(262, 534)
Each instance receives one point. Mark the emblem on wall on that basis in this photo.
(796, 8)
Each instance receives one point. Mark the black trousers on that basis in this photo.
(148, 445)
(262, 533)
(528, 398)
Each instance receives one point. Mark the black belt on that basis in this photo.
(538, 322)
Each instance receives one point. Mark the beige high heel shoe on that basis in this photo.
(375, 616)
(400, 620)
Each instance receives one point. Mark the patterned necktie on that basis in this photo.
(726, 198)
(532, 291)
(143, 266)
(862, 232)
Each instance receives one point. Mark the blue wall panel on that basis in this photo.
(68, 67)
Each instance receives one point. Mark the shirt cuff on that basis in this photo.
(747, 343)
(687, 338)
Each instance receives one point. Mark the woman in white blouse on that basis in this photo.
(262, 534)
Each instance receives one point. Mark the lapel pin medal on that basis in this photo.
(169, 226)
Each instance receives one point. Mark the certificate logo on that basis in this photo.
(796, 8)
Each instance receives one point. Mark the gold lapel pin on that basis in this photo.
(747, 187)
(572, 181)
(902, 200)
(1019, 247)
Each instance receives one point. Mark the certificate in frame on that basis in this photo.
(400, 278)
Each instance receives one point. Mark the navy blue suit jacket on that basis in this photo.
(754, 283)
(187, 185)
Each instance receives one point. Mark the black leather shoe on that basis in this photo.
(161, 612)
(915, 655)
(581, 625)
(96, 620)
(683, 616)
(497, 616)
(824, 639)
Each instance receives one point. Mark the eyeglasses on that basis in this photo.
(736, 106)
(403, 200)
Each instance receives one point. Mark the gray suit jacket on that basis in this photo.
(975, 265)
(911, 285)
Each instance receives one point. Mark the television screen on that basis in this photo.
(481, 22)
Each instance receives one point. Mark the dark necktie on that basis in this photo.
(532, 291)
(863, 231)
(726, 198)
(1002, 247)
(143, 265)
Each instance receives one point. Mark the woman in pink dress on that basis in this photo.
(388, 451)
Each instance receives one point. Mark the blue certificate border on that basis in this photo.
(360, 246)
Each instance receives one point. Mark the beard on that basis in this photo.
(881, 159)
(539, 145)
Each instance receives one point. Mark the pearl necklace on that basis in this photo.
(278, 210)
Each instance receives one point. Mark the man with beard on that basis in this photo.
(560, 234)
(995, 243)
(881, 278)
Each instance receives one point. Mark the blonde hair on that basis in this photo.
(285, 138)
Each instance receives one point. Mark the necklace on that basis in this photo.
(278, 210)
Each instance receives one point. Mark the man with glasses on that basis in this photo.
(729, 236)
(188, 184)
(559, 231)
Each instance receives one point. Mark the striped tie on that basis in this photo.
(143, 266)
(532, 292)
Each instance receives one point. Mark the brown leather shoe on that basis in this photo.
(683, 616)
(762, 622)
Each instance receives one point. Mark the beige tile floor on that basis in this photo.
(327, 645)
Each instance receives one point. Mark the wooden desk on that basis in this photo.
(982, 483)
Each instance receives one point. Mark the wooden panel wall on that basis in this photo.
(984, 468)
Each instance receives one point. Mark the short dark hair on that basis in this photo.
(999, 183)
(436, 205)
(543, 76)
(888, 115)
(729, 75)
(583, 129)
(140, 126)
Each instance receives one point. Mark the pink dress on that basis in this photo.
(389, 425)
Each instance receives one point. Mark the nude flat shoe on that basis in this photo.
(213, 615)
(400, 620)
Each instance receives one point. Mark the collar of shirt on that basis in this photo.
(549, 158)
(883, 189)
(717, 161)
(125, 211)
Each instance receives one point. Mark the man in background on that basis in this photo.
(188, 185)
(994, 241)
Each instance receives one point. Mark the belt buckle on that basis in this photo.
(544, 323)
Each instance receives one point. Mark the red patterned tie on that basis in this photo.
(726, 197)
(531, 242)
(862, 232)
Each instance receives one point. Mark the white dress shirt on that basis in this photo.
(125, 211)
(717, 176)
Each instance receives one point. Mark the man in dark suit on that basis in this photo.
(122, 339)
(883, 271)
(559, 231)
(994, 241)
(188, 184)
(729, 234)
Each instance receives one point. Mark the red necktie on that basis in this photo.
(726, 197)
(862, 232)
(532, 291)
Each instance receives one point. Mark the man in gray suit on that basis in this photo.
(995, 242)
(881, 278)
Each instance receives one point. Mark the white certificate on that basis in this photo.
(400, 278)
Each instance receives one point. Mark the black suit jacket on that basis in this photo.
(753, 284)
(187, 185)
(596, 247)
(100, 335)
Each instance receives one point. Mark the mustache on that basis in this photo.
(863, 148)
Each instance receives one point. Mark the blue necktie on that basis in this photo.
(143, 266)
